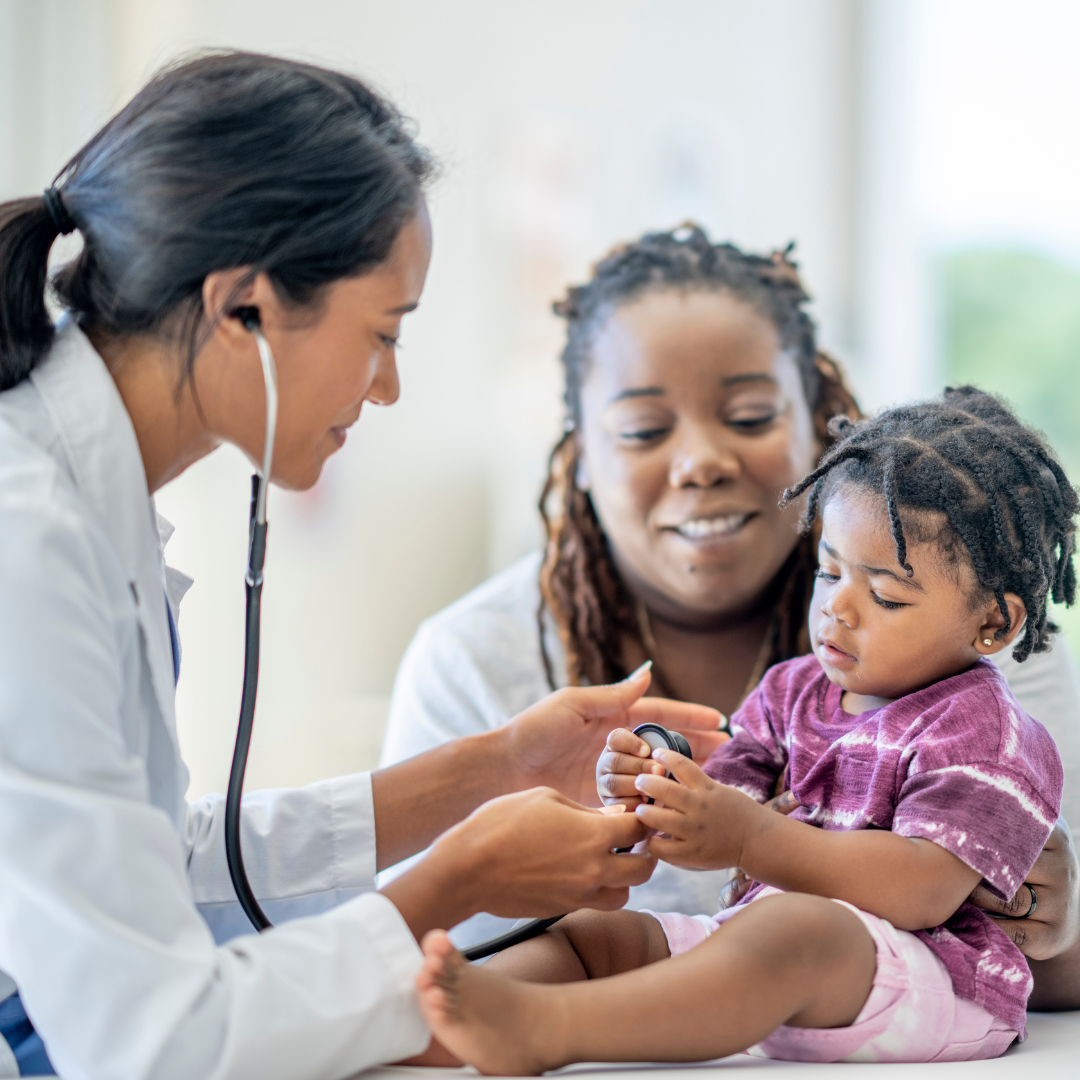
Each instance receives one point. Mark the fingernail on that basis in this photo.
(636, 674)
(637, 781)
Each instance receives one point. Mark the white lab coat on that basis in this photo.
(110, 882)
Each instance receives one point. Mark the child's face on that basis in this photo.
(879, 633)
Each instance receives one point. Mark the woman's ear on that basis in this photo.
(987, 643)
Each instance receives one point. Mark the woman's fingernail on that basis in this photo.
(636, 674)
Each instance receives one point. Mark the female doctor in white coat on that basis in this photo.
(231, 181)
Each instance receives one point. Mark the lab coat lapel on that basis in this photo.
(103, 454)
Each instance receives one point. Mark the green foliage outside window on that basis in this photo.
(1012, 326)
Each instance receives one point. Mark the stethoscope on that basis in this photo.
(654, 735)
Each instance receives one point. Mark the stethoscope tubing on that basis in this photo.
(253, 583)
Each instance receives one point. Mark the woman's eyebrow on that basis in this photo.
(749, 376)
(638, 391)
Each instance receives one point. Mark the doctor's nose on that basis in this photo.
(385, 388)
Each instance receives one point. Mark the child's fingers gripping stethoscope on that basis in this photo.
(659, 738)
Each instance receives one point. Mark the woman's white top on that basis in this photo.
(112, 887)
(477, 663)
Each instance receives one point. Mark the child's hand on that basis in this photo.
(626, 756)
(706, 823)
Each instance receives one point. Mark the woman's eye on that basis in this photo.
(825, 576)
(388, 341)
(750, 423)
(890, 604)
(643, 435)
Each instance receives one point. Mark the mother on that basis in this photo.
(234, 181)
(695, 394)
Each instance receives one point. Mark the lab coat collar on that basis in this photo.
(102, 452)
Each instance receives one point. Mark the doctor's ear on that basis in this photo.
(234, 306)
(987, 642)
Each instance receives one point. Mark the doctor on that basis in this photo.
(231, 181)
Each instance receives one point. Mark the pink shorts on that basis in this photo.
(911, 1014)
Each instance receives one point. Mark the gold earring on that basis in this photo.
(987, 641)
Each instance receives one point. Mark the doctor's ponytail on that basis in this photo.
(27, 232)
(229, 160)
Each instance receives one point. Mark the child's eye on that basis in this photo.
(891, 604)
(825, 576)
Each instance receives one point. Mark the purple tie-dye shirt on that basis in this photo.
(958, 763)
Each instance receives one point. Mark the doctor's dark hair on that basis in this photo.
(228, 160)
(963, 472)
(579, 583)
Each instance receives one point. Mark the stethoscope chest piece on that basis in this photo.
(659, 738)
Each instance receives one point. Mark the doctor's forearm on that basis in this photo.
(420, 798)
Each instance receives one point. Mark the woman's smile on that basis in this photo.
(704, 530)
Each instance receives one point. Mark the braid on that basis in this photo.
(580, 585)
(1007, 502)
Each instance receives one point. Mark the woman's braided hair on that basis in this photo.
(579, 583)
(1006, 500)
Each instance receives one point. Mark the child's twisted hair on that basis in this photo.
(579, 583)
(1005, 497)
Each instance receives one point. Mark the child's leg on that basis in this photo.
(585, 945)
(791, 959)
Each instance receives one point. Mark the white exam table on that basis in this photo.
(1052, 1052)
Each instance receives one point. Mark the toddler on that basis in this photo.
(945, 527)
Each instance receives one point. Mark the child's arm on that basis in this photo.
(913, 883)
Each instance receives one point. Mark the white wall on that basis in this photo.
(564, 126)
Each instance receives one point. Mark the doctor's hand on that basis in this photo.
(556, 743)
(534, 853)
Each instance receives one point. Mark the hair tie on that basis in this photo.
(58, 211)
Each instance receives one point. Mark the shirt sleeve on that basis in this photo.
(98, 928)
(988, 793)
(754, 759)
(306, 850)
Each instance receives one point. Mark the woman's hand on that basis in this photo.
(625, 756)
(556, 743)
(534, 853)
(1055, 924)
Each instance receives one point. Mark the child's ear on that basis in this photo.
(987, 642)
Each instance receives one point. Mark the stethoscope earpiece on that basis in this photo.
(249, 316)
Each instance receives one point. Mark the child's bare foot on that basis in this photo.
(491, 1022)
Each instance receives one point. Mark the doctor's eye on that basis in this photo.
(390, 342)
